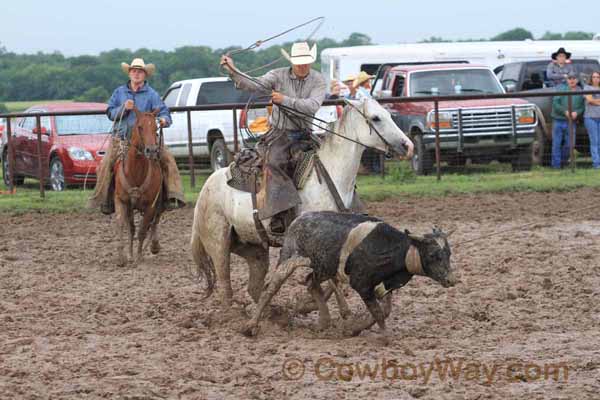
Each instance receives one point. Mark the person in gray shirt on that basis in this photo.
(300, 89)
(591, 117)
(559, 67)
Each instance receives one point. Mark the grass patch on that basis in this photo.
(399, 182)
(478, 179)
(18, 106)
(27, 197)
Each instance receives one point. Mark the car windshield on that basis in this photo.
(83, 124)
(452, 82)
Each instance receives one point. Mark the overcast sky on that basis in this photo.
(89, 27)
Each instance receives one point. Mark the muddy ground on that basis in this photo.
(524, 322)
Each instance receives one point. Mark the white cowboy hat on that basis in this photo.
(139, 63)
(301, 53)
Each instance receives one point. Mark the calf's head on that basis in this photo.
(434, 252)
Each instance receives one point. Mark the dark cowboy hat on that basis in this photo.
(559, 51)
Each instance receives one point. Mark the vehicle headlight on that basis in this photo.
(79, 154)
(445, 120)
(525, 116)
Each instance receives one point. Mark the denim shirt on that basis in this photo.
(146, 100)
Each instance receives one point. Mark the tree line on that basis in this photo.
(53, 76)
(44, 76)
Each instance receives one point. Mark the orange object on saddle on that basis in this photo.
(259, 125)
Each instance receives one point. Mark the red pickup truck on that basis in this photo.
(482, 130)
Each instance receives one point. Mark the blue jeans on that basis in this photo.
(561, 146)
(593, 128)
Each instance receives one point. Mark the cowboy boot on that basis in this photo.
(108, 204)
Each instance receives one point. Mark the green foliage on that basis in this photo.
(97, 94)
(435, 39)
(52, 76)
(3, 108)
(401, 173)
(551, 36)
(92, 78)
(578, 35)
(513, 35)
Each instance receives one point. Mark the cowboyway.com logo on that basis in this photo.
(331, 369)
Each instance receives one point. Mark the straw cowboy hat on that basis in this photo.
(349, 78)
(301, 53)
(561, 51)
(139, 63)
(361, 78)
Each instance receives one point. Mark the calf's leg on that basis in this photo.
(275, 280)
(317, 293)
(379, 315)
(341, 299)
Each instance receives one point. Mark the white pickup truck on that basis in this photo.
(212, 131)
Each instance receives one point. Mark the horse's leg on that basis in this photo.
(121, 220)
(276, 278)
(217, 244)
(147, 218)
(257, 258)
(155, 245)
(131, 224)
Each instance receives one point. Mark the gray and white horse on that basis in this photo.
(223, 222)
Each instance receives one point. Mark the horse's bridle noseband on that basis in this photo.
(151, 152)
(372, 129)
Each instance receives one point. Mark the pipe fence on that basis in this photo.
(441, 146)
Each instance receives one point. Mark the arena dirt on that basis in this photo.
(524, 322)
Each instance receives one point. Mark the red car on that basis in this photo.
(72, 145)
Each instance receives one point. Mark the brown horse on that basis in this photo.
(138, 185)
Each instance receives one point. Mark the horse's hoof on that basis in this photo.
(250, 330)
(155, 247)
(121, 261)
(323, 326)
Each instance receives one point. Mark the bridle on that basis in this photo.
(151, 152)
(373, 128)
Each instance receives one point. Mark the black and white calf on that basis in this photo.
(372, 256)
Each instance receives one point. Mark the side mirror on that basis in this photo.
(510, 87)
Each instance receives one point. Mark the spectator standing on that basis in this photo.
(560, 120)
(559, 67)
(591, 118)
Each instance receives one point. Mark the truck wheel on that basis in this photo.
(422, 161)
(539, 153)
(18, 180)
(522, 159)
(219, 155)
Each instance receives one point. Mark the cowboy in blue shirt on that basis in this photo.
(136, 93)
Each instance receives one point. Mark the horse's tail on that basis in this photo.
(205, 269)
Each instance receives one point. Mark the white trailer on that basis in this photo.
(337, 63)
